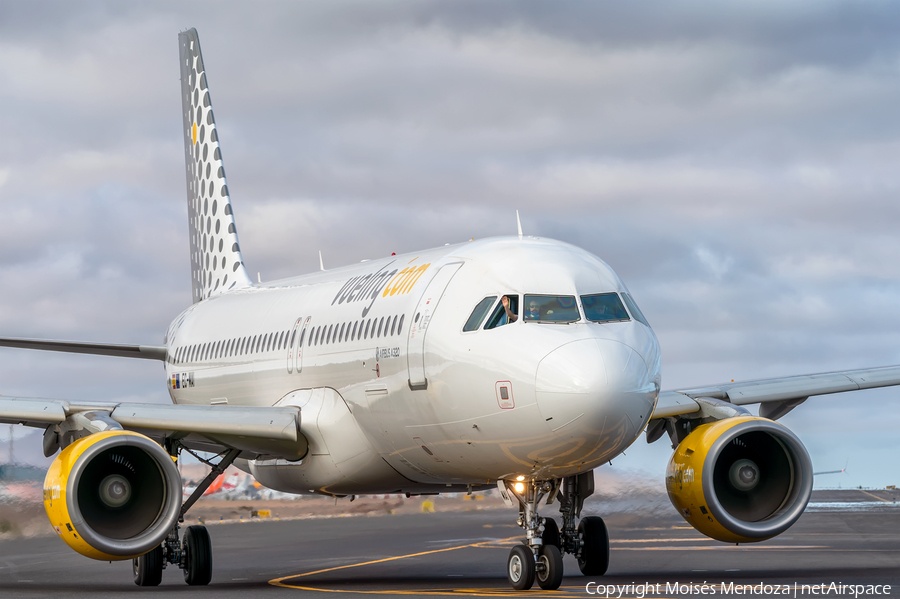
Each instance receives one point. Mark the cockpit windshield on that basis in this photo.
(507, 311)
(478, 314)
(635, 311)
(603, 307)
(551, 308)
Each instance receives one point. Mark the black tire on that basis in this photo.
(520, 568)
(549, 574)
(593, 560)
(148, 568)
(197, 549)
(550, 536)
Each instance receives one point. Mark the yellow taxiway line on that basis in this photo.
(281, 582)
(875, 496)
(503, 592)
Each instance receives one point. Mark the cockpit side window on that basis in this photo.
(500, 316)
(603, 307)
(635, 311)
(478, 314)
(551, 308)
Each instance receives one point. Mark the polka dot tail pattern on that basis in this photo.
(216, 261)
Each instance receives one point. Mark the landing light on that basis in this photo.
(520, 478)
(519, 487)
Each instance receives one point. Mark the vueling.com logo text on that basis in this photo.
(382, 282)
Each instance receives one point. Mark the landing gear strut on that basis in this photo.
(589, 542)
(193, 554)
(540, 557)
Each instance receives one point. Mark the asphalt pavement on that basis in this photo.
(844, 538)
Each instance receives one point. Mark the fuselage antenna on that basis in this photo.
(321, 264)
(519, 224)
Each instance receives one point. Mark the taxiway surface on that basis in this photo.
(845, 537)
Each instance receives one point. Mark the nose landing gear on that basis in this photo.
(540, 557)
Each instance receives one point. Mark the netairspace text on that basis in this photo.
(616, 591)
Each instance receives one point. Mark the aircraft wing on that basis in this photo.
(147, 352)
(778, 395)
(256, 431)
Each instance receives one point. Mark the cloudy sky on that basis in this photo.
(737, 165)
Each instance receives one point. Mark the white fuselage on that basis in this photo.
(396, 397)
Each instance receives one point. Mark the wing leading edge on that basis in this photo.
(786, 391)
(146, 352)
(256, 431)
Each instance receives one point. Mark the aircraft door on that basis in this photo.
(292, 340)
(418, 328)
(298, 353)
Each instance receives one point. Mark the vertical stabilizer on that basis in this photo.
(216, 261)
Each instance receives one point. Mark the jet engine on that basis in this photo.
(113, 495)
(740, 480)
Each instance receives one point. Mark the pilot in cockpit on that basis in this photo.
(507, 311)
(509, 314)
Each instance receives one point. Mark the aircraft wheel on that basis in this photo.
(550, 536)
(594, 557)
(549, 570)
(197, 549)
(520, 568)
(148, 568)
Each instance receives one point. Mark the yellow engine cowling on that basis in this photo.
(740, 480)
(113, 495)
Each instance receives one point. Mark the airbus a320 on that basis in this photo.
(513, 362)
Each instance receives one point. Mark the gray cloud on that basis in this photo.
(736, 164)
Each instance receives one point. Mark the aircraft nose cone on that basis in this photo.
(595, 387)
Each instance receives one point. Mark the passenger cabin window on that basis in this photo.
(504, 314)
(635, 311)
(603, 307)
(478, 314)
(551, 308)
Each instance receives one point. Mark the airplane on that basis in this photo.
(841, 471)
(519, 362)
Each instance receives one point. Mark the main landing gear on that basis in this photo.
(540, 557)
(193, 554)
